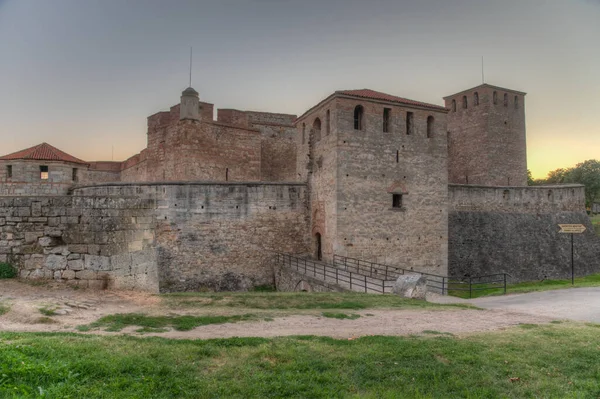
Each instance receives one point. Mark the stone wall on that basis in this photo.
(289, 280)
(26, 177)
(515, 230)
(372, 166)
(87, 241)
(487, 144)
(220, 236)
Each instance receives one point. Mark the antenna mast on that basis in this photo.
(482, 77)
(190, 67)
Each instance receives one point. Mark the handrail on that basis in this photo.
(372, 277)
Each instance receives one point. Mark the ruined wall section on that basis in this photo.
(515, 230)
(220, 236)
(373, 165)
(85, 241)
(100, 172)
(487, 139)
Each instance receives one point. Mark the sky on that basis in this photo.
(83, 75)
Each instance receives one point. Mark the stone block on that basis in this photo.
(56, 262)
(86, 275)
(68, 274)
(411, 286)
(75, 264)
(32, 236)
(33, 263)
(97, 263)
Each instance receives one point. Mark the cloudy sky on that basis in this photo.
(83, 75)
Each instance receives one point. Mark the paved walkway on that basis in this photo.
(581, 304)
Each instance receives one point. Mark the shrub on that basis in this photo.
(7, 271)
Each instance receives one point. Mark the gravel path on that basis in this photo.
(85, 306)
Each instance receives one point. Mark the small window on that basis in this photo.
(409, 123)
(476, 98)
(358, 117)
(74, 174)
(226, 174)
(44, 172)
(303, 133)
(317, 130)
(495, 97)
(464, 102)
(8, 171)
(516, 102)
(430, 126)
(453, 105)
(386, 119)
(328, 123)
(505, 100)
(396, 200)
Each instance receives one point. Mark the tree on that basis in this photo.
(588, 174)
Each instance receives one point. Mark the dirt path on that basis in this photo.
(85, 306)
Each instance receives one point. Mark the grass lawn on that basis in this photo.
(593, 280)
(596, 222)
(552, 361)
(291, 301)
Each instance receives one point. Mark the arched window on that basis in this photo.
(453, 105)
(505, 100)
(303, 133)
(464, 101)
(317, 130)
(516, 102)
(495, 98)
(476, 98)
(358, 117)
(328, 123)
(430, 126)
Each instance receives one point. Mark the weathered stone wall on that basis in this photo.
(515, 230)
(289, 280)
(487, 144)
(317, 163)
(88, 241)
(26, 177)
(220, 236)
(372, 165)
(101, 172)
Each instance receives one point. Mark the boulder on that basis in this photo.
(411, 286)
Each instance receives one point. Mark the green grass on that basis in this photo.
(117, 322)
(4, 308)
(48, 311)
(7, 270)
(294, 300)
(596, 223)
(549, 361)
(593, 280)
(340, 316)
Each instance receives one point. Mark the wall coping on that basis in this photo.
(542, 187)
(188, 183)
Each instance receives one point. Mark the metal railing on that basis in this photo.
(331, 274)
(438, 283)
(366, 276)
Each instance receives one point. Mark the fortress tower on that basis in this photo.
(486, 137)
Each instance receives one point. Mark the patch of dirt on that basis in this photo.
(81, 306)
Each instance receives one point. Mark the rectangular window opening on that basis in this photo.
(397, 156)
(409, 123)
(386, 119)
(44, 172)
(74, 174)
(9, 171)
(396, 200)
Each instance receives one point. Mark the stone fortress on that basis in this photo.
(362, 174)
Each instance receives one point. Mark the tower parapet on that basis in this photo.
(190, 105)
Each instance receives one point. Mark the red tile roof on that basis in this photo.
(42, 152)
(376, 95)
